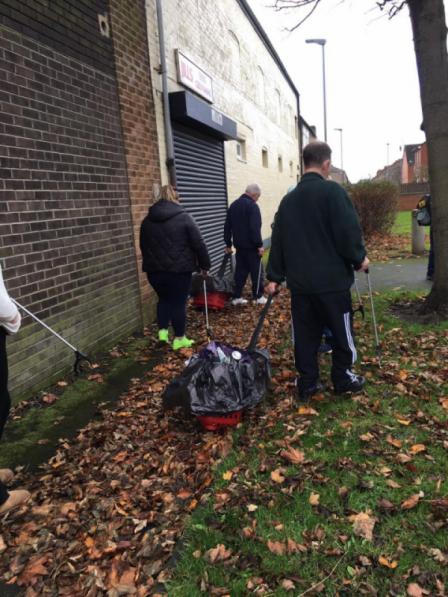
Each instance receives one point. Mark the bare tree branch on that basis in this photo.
(292, 4)
(392, 7)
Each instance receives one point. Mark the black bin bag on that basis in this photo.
(222, 281)
(221, 378)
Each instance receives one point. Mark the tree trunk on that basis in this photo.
(430, 32)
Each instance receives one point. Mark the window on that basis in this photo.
(260, 87)
(280, 163)
(277, 106)
(241, 149)
(235, 66)
(264, 158)
(291, 168)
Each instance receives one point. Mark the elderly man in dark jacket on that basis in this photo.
(316, 245)
(243, 227)
(172, 248)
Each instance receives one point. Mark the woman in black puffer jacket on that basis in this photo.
(172, 248)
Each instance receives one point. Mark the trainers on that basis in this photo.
(304, 394)
(6, 475)
(261, 301)
(184, 342)
(353, 385)
(163, 336)
(325, 348)
(16, 498)
(239, 301)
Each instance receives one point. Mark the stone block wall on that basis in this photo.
(221, 39)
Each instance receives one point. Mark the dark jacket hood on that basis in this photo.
(164, 210)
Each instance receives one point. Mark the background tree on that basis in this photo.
(430, 34)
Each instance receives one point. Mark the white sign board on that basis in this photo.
(193, 77)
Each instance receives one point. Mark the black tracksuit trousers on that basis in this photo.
(310, 314)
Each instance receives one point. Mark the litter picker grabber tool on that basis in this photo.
(208, 331)
(375, 326)
(360, 307)
(79, 356)
(260, 267)
(257, 331)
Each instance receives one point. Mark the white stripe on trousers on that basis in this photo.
(350, 341)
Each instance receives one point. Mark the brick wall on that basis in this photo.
(66, 237)
(407, 202)
(137, 115)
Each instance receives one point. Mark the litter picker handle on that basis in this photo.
(374, 322)
(207, 323)
(43, 324)
(225, 260)
(259, 326)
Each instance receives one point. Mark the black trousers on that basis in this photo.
(172, 290)
(248, 262)
(310, 314)
(5, 402)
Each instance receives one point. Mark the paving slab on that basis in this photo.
(400, 274)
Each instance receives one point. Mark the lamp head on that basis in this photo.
(319, 41)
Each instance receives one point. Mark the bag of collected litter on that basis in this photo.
(221, 282)
(222, 379)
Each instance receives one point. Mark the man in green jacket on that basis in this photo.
(316, 245)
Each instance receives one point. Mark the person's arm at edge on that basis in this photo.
(228, 231)
(275, 270)
(255, 226)
(10, 318)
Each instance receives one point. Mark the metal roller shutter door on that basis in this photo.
(201, 182)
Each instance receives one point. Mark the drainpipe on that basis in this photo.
(166, 105)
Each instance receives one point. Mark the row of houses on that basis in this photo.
(101, 102)
(409, 173)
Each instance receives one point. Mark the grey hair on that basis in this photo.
(253, 189)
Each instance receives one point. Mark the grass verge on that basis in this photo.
(359, 509)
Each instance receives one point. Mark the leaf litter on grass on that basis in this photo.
(354, 479)
(109, 508)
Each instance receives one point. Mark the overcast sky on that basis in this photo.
(372, 85)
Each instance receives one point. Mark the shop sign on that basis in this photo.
(193, 77)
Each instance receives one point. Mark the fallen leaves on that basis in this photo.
(411, 502)
(415, 590)
(217, 554)
(417, 448)
(293, 455)
(314, 499)
(306, 411)
(387, 563)
(277, 476)
(277, 547)
(363, 524)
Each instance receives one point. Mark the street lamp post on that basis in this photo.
(321, 43)
(340, 139)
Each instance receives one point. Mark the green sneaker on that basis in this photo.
(163, 336)
(184, 342)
